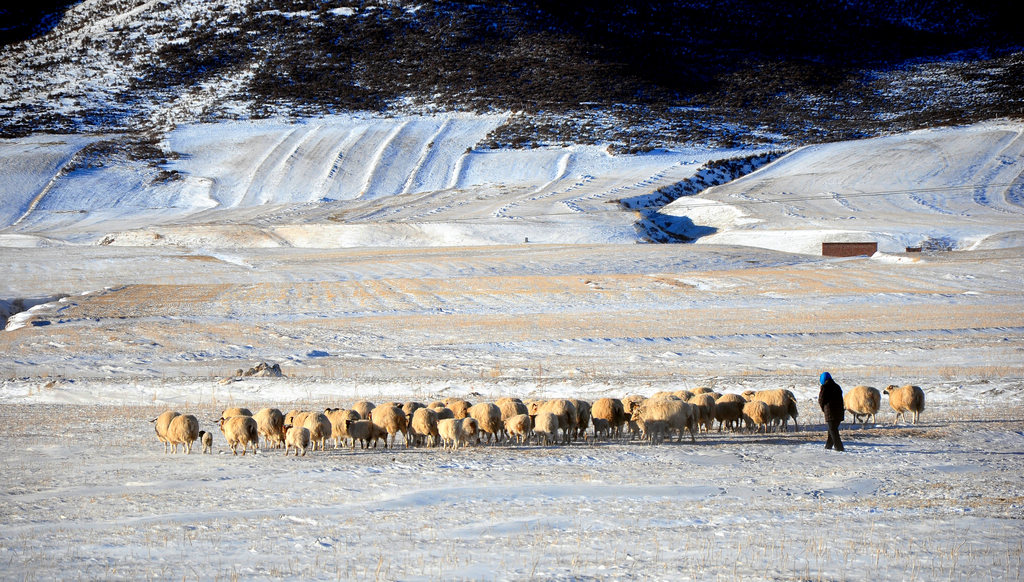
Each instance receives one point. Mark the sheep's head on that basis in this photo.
(890, 389)
(636, 412)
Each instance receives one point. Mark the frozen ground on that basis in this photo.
(387, 259)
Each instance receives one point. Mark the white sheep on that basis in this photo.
(237, 411)
(678, 415)
(781, 405)
(298, 437)
(338, 416)
(183, 430)
(240, 430)
(458, 406)
(561, 408)
(904, 399)
(583, 410)
(359, 430)
(704, 407)
(729, 411)
(161, 423)
(862, 401)
(757, 415)
(363, 407)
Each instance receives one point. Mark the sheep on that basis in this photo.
(564, 410)
(903, 399)
(363, 407)
(545, 426)
(410, 407)
(240, 430)
(582, 417)
(653, 431)
(436, 405)
(630, 403)
(729, 410)
(390, 420)
(298, 437)
(319, 429)
(236, 412)
(518, 428)
(611, 411)
(161, 423)
(488, 419)
(458, 406)
(685, 395)
(444, 412)
(359, 430)
(701, 390)
(756, 415)
(704, 406)
(601, 428)
(183, 430)
(862, 401)
(424, 426)
(678, 415)
(296, 418)
(781, 405)
(338, 416)
(207, 439)
(270, 425)
(456, 432)
(511, 407)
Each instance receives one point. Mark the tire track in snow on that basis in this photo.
(426, 157)
(536, 195)
(1010, 154)
(38, 198)
(376, 165)
(325, 182)
(258, 175)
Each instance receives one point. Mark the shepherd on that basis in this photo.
(830, 399)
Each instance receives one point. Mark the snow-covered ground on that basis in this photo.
(388, 259)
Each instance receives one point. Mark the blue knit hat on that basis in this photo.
(825, 377)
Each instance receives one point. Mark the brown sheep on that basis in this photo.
(756, 415)
(583, 414)
(319, 429)
(240, 430)
(183, 430)
(611, 411)
(270, 425)
(424, 426)
(161, 423)
(862, 401)
(338, 416)
(729, 411)
(363, 407)
(458, 406)
(360, 430)
(904, 399)
(410, 407)
(601, 428)
(704, 405)
(518, 428)
(390, 420)
(488, 419)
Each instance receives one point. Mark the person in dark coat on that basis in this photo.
(830, 399)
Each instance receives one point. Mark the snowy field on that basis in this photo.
(387, 259)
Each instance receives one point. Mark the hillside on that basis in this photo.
(635, 75)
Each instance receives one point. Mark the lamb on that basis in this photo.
(456, 432)
(390, 420)
(488, 419)
(704, 405)
(319, 429)
(359, 430)
(601, 428)
(862, 401)
(630, 403)
(338, 416)
(678, 415)
(298, 437)
(756, 415)
(270, 425)
(161, 423)
(236, 412)
(611, 411)
(545, 426)
(240, 430)
(424, 426)
(653, 431)
(729, 411)
(207, 440)
(904, 399)
(781, 405)
(363, 407)
(518, 428)
(184, 430)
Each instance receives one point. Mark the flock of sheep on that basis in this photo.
(455, 423)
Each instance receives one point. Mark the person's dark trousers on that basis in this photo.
(833, 437)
